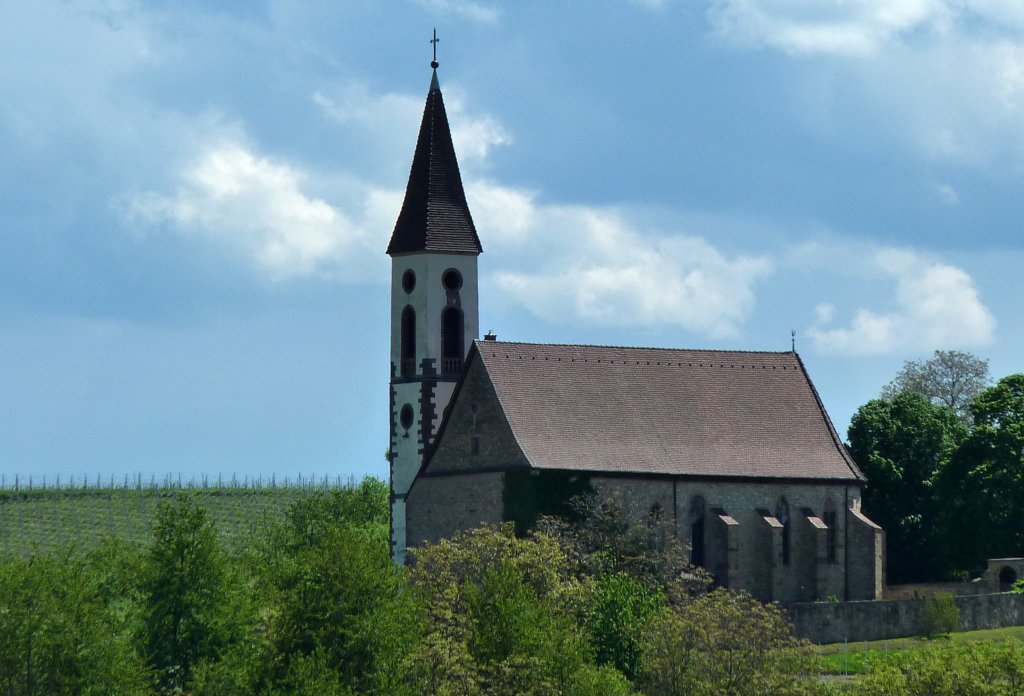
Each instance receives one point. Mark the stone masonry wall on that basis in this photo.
(477, 415)
(835, 622)
(808, 575)
(439, 506)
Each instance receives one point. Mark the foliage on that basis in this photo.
(184, 593)
(502, 615)
(600, 538)
(619, 609)
(941, 614)
(56, 635)
(982, 488)
(335, 617)
(901, 445)
(949, 378)
(723, 643)
(983, 669)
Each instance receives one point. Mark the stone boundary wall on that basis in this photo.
(835, 622)
(929, 589)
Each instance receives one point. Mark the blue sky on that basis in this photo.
(195, 199)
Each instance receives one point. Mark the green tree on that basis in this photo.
(57, 635)
(983, 487)
(184, 593)
(336, 618)
(619, 608)
(723, 643)
(950, 378)
(503, 615)
(901, 445)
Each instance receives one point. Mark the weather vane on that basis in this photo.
(434, 41)
(792, 339)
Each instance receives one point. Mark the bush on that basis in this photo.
(941, 614)
(723, 643)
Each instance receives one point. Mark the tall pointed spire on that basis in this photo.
(435, 216)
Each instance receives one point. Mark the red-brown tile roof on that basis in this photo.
(665, 411)
(435, 216)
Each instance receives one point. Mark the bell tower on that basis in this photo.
(433, 251)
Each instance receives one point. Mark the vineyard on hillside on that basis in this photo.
(34, 519)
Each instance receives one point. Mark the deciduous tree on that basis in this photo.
(901, 445)
(949, 378)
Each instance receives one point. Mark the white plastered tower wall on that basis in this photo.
(427, 388)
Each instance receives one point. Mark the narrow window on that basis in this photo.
(451, 341)
(408, 340)
(782, 515)
(831, 535)
(697, 531)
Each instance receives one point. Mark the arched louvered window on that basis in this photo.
(408, 339)
(451, 341)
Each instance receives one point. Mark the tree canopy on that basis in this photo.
(949, 378)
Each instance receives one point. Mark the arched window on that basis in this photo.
(696, 518)
(451, 341)
(1007, 576)
(408, 340)
(782, 515)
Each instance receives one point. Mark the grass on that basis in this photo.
(860, 658)
(50, 520)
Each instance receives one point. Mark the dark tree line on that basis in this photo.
(947, 487)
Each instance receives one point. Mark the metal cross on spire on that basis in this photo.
(434, 41)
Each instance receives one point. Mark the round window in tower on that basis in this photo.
(405, 417)
(452, 279)
(408, 281)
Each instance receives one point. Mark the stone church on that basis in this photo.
(732, 450)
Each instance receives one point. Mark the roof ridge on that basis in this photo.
(620, 347)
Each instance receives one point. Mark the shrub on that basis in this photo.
(941, 614)
(723, 643)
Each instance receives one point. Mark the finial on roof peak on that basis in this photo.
(434, 62)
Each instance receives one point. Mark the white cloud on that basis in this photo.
(937, 305)
(824, 26)
(945, 77)
(257, 207)
(596, 269)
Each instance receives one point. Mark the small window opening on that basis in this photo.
(697, 531)
(474, 444)
(782, 515)
(408, 281)
(452, 279)
(405, 418)
(832, 534)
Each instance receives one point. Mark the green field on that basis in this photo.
(48, 520)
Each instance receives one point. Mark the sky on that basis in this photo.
(195, 200)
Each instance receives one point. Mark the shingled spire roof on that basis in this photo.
(435, 216)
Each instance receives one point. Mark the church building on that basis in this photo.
(732, 450)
